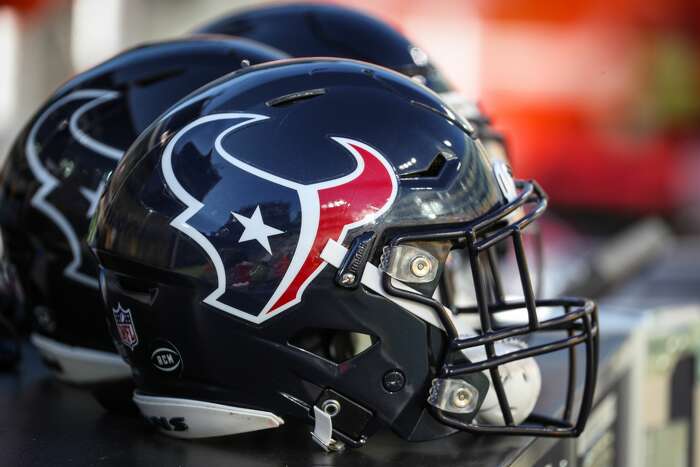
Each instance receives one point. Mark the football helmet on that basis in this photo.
(275, 242)
(55, 173)
(315, 30)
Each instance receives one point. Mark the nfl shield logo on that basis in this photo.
(125, 326)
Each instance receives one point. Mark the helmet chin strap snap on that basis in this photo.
(462, 396)
(323, 430)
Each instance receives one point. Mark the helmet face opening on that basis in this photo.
(459, 381)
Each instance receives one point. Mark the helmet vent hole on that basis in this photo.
(433, 170)
(331, 344)
(295, 97)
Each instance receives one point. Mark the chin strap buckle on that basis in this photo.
(323, 432)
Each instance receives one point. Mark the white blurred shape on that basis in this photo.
(9, 42)
(96, 31)
(454, 46)
(521, 379)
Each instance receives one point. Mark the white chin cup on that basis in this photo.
(187, 418)
(521, 380)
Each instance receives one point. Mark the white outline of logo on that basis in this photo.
(308, 197)
(49, 182)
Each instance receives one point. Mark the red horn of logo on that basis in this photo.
(343, 206)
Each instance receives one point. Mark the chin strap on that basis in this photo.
(323, 432)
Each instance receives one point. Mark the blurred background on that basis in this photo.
(599, 100)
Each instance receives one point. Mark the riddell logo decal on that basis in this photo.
(166, 357)
(328, 210)
(125, 326)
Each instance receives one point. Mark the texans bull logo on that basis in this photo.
(264, 233)
(55, 132)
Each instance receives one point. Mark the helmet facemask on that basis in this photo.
(473, 389)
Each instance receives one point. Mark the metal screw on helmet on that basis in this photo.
(421, 266)
(394, 380)
(347, 278)
(245, 63)
(331, 407)
(463, 397)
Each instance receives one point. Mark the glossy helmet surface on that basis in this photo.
(317, 30)
(55, 173)
(275, 242)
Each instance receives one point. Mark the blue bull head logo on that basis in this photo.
(266, 249)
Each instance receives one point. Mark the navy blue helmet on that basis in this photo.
(57, 169)
(271, 248)
(317, 30)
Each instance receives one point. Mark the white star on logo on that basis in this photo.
(255, 229)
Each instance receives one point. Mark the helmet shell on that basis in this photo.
(205, 215)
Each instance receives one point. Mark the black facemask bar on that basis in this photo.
(578, 321)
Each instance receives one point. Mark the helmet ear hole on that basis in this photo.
(340, 346)
(334, 345)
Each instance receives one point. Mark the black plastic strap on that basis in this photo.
(351, 269)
